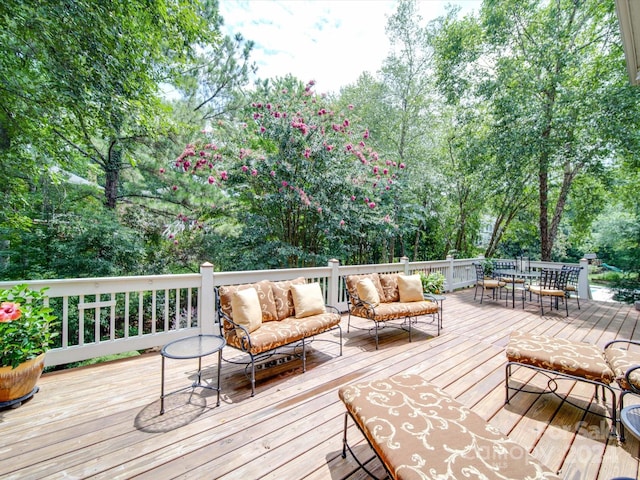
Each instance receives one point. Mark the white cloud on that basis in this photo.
(329, 41)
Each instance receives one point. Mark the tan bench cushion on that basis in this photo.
(559, 355)
(420, 432)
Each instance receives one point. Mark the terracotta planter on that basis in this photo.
(20, 381)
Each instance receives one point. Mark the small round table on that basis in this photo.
(630, 418)
(193, 347)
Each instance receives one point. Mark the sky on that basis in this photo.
(329, 41)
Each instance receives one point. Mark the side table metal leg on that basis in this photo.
(162, 389)
(219, 368)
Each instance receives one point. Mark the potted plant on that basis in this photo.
(25, 330)
(432, 283)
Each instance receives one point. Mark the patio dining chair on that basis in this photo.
(572, 282)
(486, 283)
(553, 283)
(501, 265)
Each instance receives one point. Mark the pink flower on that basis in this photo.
(245, 169)
(162, 170)
(385, 171)
(262, 129)
(350, 107)
(211, 180)
(329, 148)
(223, 175)
(372, 204)
(272, 173)
(254, 172)
(285, 183)
(307, 152)
(9, 311)
(174, 188)
(342, 223)
(402, 165)
(375, 170)
(319, 209)
(365, 135)
(353, 198)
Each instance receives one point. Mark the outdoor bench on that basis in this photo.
(419, 432)
(259, 318)
(561, 358)
(385, 297)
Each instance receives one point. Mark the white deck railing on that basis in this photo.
(120, 314)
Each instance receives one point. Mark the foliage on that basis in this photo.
(25, 325)
(433, 282)
(80, 81)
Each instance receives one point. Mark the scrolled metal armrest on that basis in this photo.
(622, 340)
(246, 338)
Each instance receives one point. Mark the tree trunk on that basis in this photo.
(112, 175)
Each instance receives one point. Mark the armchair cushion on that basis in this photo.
(410, 287)
(367, 292)
(246, 310)
(352, 282)
(389, 282)
(283, 298)
(307, 300)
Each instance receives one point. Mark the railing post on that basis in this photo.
(405, 261)
(334, 282)
(449, 275)
(584, 291)
(206, 301)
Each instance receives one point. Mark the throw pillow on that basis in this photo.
(410, 288)
(307, 299)
(246, 310)
(367, 292)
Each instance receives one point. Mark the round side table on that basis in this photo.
(630, 419)
(197, 346)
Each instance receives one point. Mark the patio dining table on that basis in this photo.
(527, 276)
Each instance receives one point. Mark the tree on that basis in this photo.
(554, 78)
(81, 79)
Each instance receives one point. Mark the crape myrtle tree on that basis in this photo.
(294, 182)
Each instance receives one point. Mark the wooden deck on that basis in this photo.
(103, 421)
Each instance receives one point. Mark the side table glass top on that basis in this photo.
(193, 347)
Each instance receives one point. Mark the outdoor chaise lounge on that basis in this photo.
(561, 358)
(259, 318)
(419, 432)
(382, 298)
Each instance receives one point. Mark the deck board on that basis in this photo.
(103, 421)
